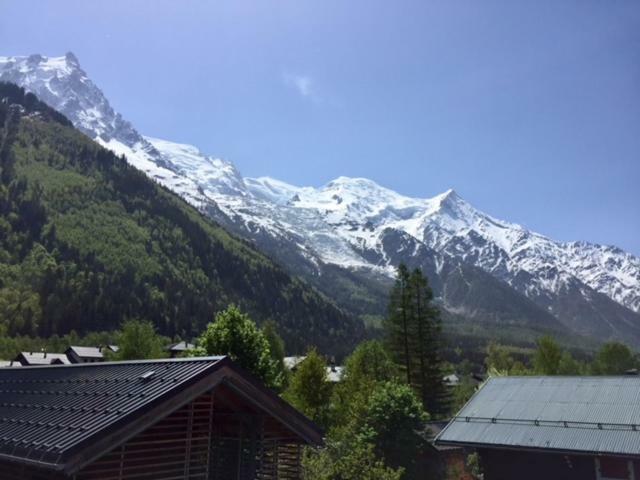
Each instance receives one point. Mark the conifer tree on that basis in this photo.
(425, 330)
(309, 390)
(425, 335)
(397, 322)
(413, 336)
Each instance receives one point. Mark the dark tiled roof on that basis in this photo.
(45, 412)
(570, 414)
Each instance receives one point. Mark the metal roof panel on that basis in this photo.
(584, 414)
(46, 411)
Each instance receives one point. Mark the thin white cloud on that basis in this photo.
(303, 85)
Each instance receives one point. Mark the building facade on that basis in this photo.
(156, 420)
(527, 428)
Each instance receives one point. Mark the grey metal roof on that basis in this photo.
(433, 430)
(46, 411)
(42, 358)
(292, 362)
(86, 352)
(180, 347)
(334, 373)
(9, 363)
(571, 414)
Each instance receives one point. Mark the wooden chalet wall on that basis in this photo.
(16, 471)
(507, 464)
(218, 436)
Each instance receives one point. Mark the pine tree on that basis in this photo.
(425, 335)
(414, 336)
(397, 323)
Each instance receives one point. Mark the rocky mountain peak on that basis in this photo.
(344, 222)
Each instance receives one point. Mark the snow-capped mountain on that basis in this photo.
(362, 230)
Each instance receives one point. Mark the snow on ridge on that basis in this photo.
(335, 222)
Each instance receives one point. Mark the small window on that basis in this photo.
(608, 468)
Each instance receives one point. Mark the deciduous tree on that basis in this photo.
(234, 334)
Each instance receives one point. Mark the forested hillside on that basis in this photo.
(87, 241)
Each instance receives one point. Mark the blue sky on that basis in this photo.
(530, 110)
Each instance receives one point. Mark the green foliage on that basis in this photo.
(569, 365)
(234, 334)
(276, 349)
(546, 360)
(369, 362)
(397, 324)
(390, 419)
(462, 393)
(309, 391)
(498, 358)
(367, 366)
(87, 241)
(614, 358)
(352, 460)
(375, 419)
(413, 333)
(138, 340)
(500, 361)
(473, 465)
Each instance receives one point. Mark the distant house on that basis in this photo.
(291, 363)
(334, 373)
(451, 380)
(27, 359)
(85, 354)
(566, 428)
(188, 418)
(177, 349)
(9, 363)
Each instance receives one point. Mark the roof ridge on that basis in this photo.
(212, 358)
(563, 377)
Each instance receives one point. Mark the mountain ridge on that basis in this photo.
(88, 241)
(348, 223)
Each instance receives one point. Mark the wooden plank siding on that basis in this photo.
(215, 437)
(15, 471)
(505, 464)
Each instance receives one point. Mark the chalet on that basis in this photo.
(567, 428)
(85, 354)
(177, 349)
(291, 363)
(451, 380)
(334, 372)
(191, 418)
(9, 363)
(41, 358)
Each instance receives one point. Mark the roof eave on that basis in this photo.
(558, 451)
(30, 462)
